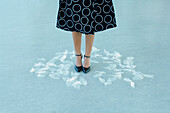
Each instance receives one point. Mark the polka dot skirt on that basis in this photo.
(86, 16)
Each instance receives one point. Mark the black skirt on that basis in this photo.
(86, 16)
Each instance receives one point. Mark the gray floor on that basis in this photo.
(27, 33)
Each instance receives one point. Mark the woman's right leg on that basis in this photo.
(89, 45)
(77, 46)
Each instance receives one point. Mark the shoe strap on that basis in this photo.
(86, 56)
(78, 55)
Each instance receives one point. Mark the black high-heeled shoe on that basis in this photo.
(78, 68)
(86, 69)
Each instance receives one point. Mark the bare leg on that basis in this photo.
(77, 46)
(89, 44)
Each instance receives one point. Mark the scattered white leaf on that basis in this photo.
(42, 59)
(39, 64)
(32, 70)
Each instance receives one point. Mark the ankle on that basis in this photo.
(86, 62)
(78, 53)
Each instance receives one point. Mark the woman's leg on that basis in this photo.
(89, 44)
(77, 46)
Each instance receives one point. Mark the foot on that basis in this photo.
(78, 65)
(86, 62)
(86, 67)
(78, 61)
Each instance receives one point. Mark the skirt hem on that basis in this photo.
(66, 29)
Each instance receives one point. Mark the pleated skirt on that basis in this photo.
(86, 16)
